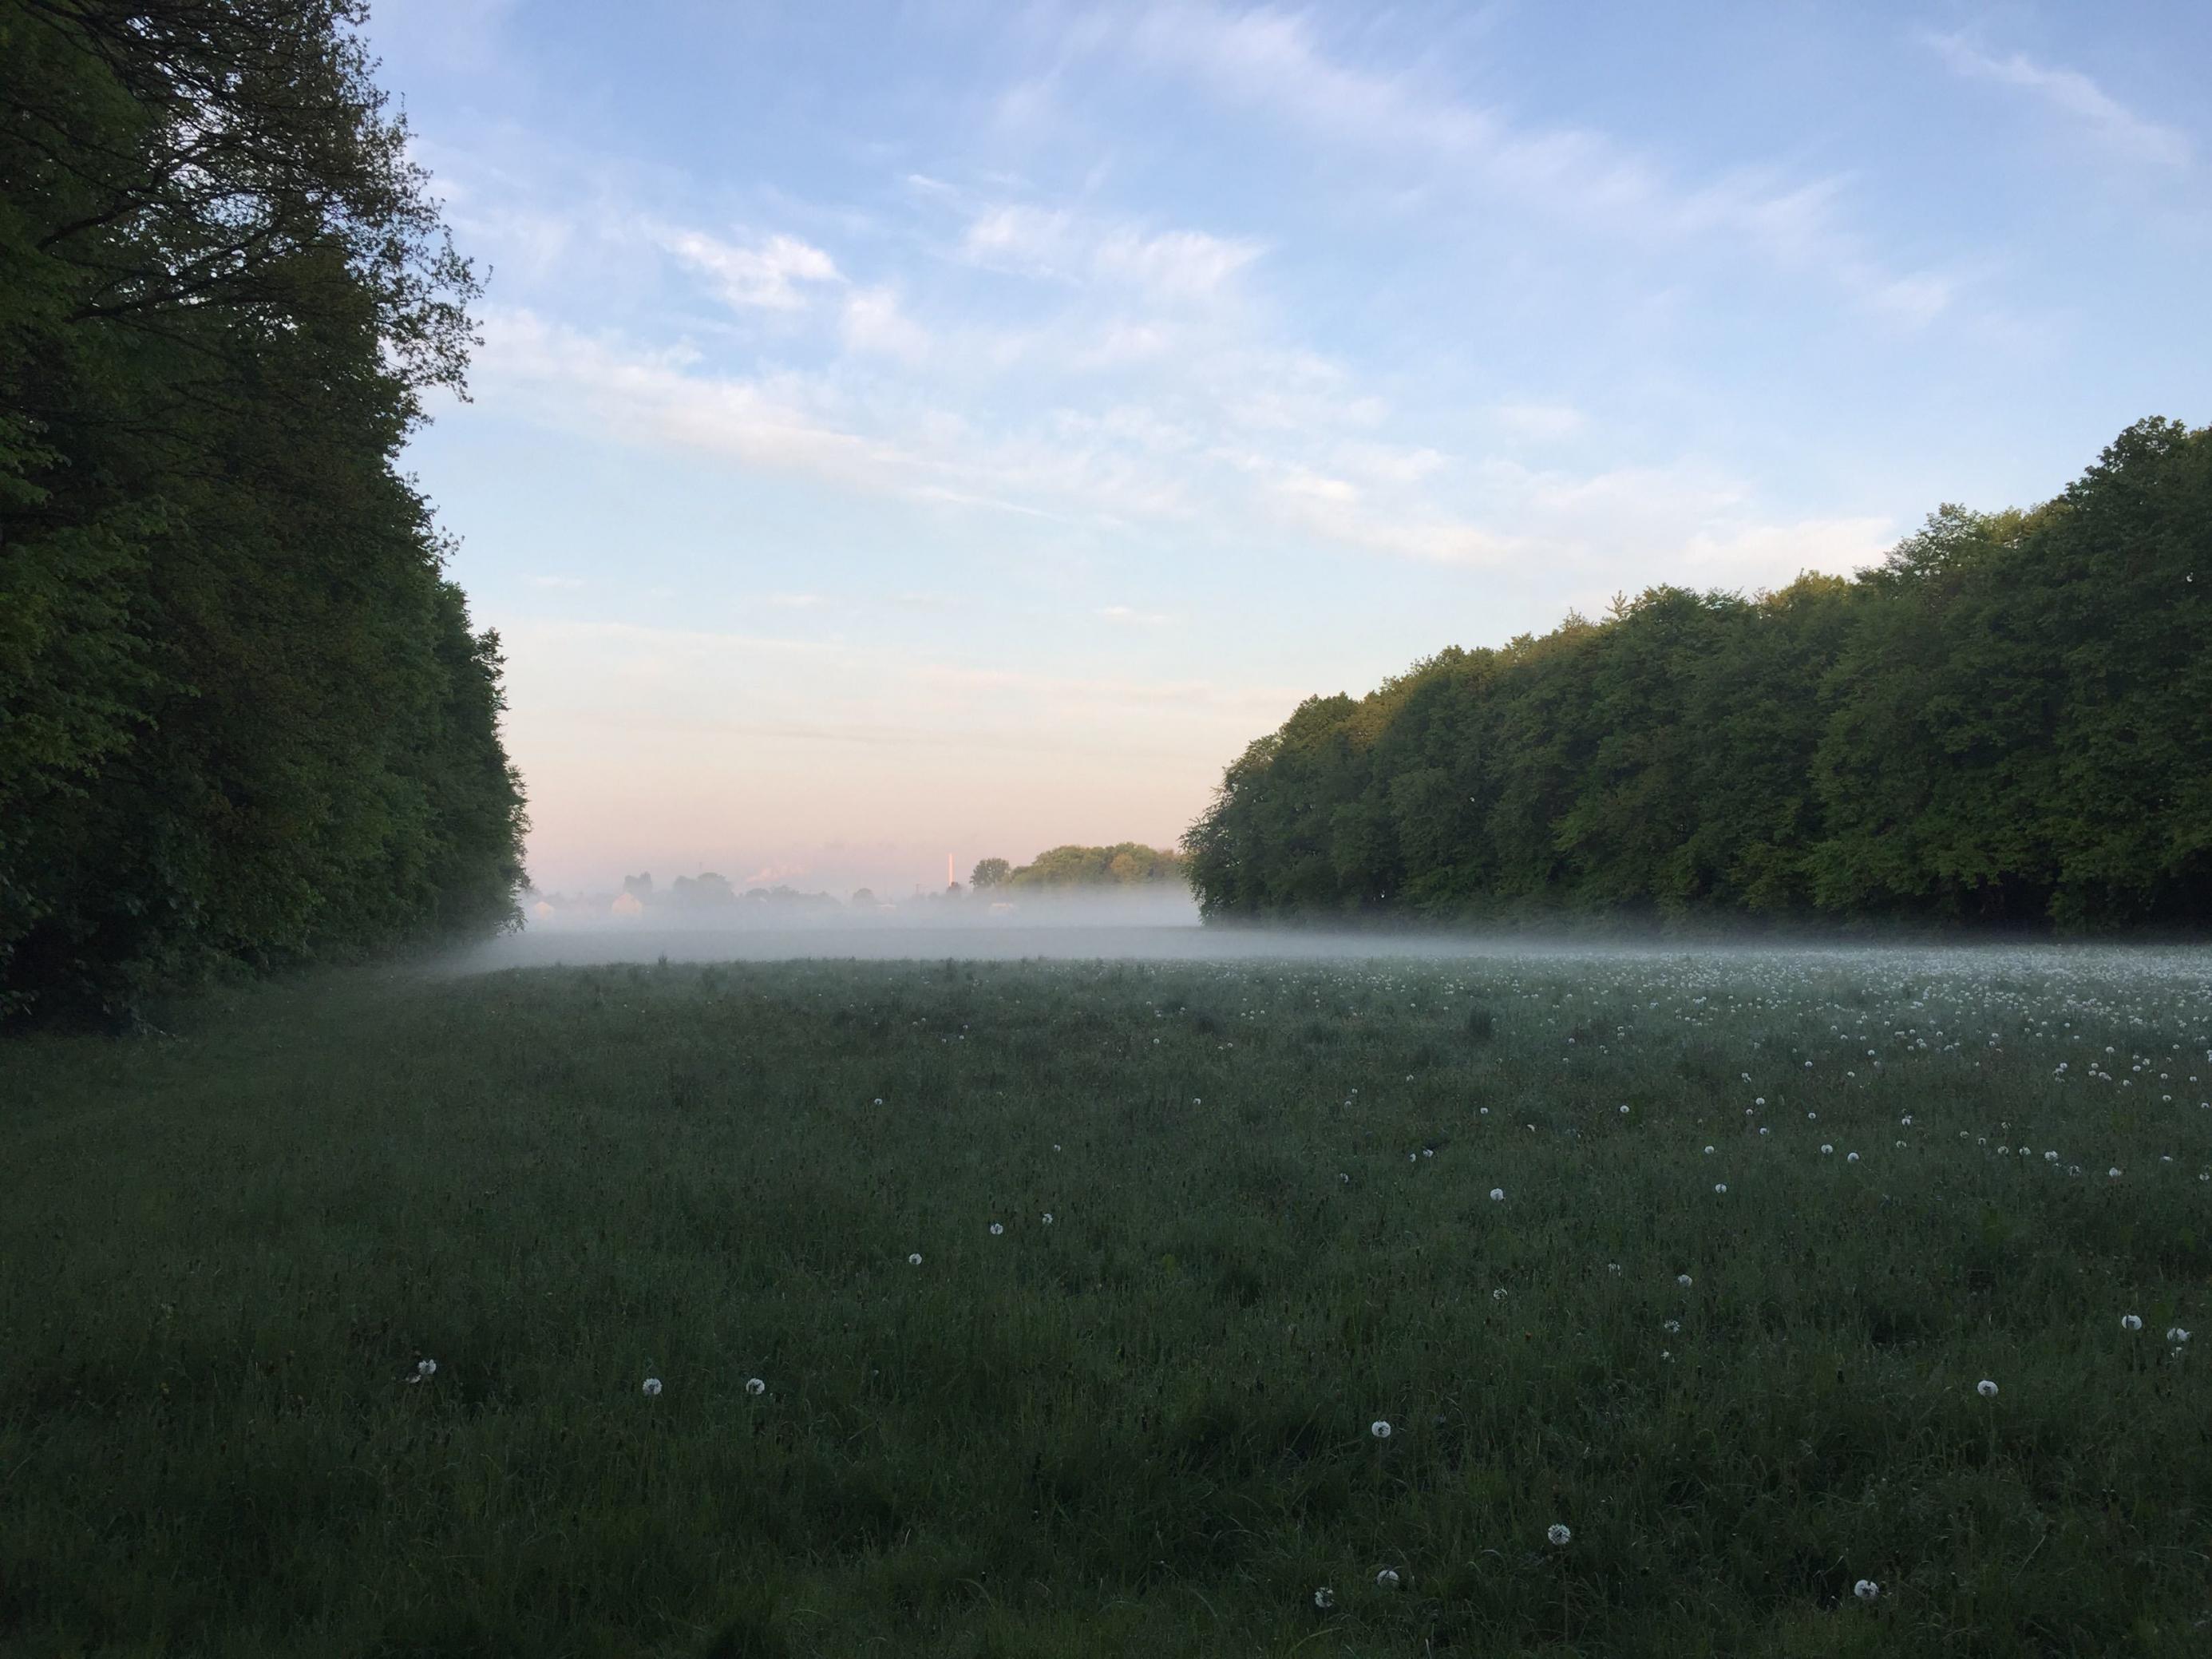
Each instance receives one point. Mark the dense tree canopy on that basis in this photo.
(2009, 721)
(243, 714)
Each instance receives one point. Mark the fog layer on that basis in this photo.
(1157, 923)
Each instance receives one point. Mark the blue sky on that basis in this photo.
(905, 429)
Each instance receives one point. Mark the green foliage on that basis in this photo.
(1125, 864)
(1144, 1426)
(2008, 721)
(243, 715)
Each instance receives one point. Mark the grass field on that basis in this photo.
(1570, 1225)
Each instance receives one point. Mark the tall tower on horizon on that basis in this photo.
(950, 880)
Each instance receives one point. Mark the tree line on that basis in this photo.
(1125, 864)
(244, 717)
(2007, 721)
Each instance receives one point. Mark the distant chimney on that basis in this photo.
(950, 880)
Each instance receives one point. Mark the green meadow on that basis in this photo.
(326, 1315)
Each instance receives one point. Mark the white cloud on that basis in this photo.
(766, 277)
(1543, 421)
(1055, 242)
(1274, 62)
(1774, 555)
(1180, 264)
(1128, 616)
(647, 395)
(2074, 95)
(873, 322)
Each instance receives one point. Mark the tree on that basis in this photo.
(989, 874)
(2007, 721)
(243, 715)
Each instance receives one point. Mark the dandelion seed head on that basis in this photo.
(651, 1387)
(1380, 1429)
(1559, 1533)
(1987, 1389)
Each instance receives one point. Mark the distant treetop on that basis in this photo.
(1126, 864)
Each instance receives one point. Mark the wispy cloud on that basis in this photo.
(1540, 421)
(2072, 95)
(1275, 61)
(766, 277)
(1186, 264)
(874, 322)
(1130, 616)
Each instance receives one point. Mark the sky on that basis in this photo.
(913, 430)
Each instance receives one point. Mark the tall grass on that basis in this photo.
(1145, 1427)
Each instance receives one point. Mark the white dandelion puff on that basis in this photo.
(1683, 1279)
(1387, 1579)
(2177, 1335)
(651, 1387)
(1379, 1429)
(1557, 1532)
(426, 1368)
(1866, 1590)
(755, 1386)
(1496, 1194)
(997, 1228)
(1324, 1598)
(914, 1261)
(1720, 1186)
(1987, 1389)
(2130, 1321)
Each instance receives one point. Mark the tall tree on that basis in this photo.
(245, 716)
(2009, 721)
